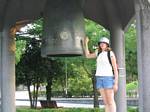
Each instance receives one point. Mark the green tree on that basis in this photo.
(37, 69)
(131, 53)
(29, 72)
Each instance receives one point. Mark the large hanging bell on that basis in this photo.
(63, 28)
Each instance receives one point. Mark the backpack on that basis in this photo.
(109, 59)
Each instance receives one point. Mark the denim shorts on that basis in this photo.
(105, 82)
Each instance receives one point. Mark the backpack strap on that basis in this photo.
(98, 54)
(109, 58)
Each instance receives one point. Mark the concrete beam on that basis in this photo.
(143, 48)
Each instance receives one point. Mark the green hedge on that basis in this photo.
(133, 109)
(69, 110)
(60, 110)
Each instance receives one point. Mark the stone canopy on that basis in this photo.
(24, 11)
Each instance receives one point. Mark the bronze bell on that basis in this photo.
(63, 28)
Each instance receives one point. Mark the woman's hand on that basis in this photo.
(115, 88)
(86, 49)
(86, 40)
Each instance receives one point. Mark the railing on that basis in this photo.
(132, 97)
(132, 94)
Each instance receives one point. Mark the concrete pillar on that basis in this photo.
(143, 47)
(118, 46)
(0, 66)
(8, 71)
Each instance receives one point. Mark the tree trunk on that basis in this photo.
(36, 94)
(33, 96)
(30, 95)
(49, 89)
(96, 102)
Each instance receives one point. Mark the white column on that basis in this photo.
(143, 47)
(118, 45)
(8, 71)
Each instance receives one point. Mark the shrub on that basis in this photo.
(132, 86)
(60, 110)
(69, 110)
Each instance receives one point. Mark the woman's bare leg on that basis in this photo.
(102, 92)
(110, 102)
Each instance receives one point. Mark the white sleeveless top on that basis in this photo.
(103, 67)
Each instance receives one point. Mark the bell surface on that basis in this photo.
(63, 28)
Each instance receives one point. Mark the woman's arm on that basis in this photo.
(86, 49)
(114, 65)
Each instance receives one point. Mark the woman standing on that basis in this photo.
(106, 72)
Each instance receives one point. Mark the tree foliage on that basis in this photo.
(131, 53)
(29, 72)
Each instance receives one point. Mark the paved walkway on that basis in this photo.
(22, 99)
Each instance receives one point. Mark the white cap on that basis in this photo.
(104, 39)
